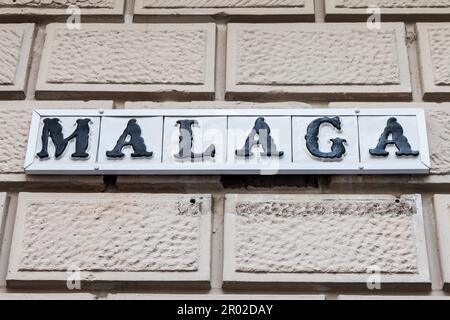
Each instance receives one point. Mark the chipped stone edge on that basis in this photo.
(201, 278)
(398, 180)
(17, 180)
(441, 203)
(18, 89)
(333, 13)
(400, 92)
(307, 11)
(118, 9)
(420, 281)
(431, 91)
(45, 90)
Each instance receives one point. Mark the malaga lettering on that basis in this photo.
(228, 142)
(259, 136)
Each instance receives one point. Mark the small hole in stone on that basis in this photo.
(193, 201)
(397, 201)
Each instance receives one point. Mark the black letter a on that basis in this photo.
(262, 130)
(136, 141)
(398, 139)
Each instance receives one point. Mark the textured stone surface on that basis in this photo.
(139, 57)
(434, 40)
(438, 120)
(331, 235)
(119, 233)
(57, 3)
(334, 237)
(15, 120)
(442, 211)
(299, 8)
(14, 142)
(439, 46)
(393, 3)
(311, 58)
(130, 58)
(10, 46)
(15, 47)
(338, 10)
(303, 49)
(114, 235)
(221, 3)
(37, 8)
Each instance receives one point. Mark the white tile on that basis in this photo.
(206, 132)
(349, 132)
(239, 129)
(69, 125)
(370, 130)
(113, 127)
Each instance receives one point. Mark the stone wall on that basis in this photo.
(234, 237)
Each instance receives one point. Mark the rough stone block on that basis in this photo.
(292, 61)
(134, 60)
(15, 120)
(325, 240)
(16, 42)
(299, 8)
(338, 10)
(434, 55)
(442, 210)
(118, 239)
(31, 9)
(438, 126)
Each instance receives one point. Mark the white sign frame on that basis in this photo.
(423, 166)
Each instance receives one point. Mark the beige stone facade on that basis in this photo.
(228, 237)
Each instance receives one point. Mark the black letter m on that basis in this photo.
(53, 129)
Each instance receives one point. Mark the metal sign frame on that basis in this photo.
(33, 165)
